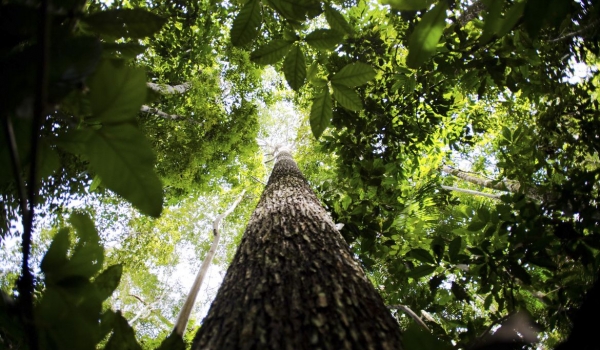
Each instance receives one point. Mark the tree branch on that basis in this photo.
(410, 313)
(169, 89)
(473, 192)
(158, 112)
(186, 310)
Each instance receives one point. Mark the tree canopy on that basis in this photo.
(455, 142)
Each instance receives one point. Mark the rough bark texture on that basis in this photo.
(293, 283)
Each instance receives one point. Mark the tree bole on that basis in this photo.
(293, 283)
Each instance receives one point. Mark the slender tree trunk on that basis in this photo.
(293, 283)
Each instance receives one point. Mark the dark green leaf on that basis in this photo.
(294, 68)
(124, 160)
(246, 24)
(512, 17)
(476, 225)
(347, 97)
(337, 21)
(127, 23)
(421, 255)
(123, 337)
(117, 92)
(56, 256)
(324, 39)
(172, 342)
(272, 52)
(108, 280)
(320, 112)
(354, 74)
(416, 337)
(423, 41)
(88, 254)
(408, 5)
(421, 271)
(483, 214)
(492, 21)
(459, 292)
(519, 272)
(455, 248)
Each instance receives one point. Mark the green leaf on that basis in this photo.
(294, 68)
(320, 112)
(272, 52)
(123, 337)
(459, 292)
(519, 272)
(476, 225)
(172, 342)
(108, 280)
(324, 39)
(512, 17)
(56, 256)
(117, 92)
(246, 24)
(483, 214)
(416, 337)
(408, 5)
(124, 160)
(422, 43)
(421, 271)
(88, 254)
(492, 21)
(347, 97)
(422, 255)
(455, 248)
(124, 50)
(127, 23)
(354, 74)
(337, 21)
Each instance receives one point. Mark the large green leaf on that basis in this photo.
(246, 24)
(337, 21)
(408, 5)
(492, 21)
(294, 68)
(416, 337)
(128, 23)
(320, 111)
(421, 271)
(423, 41)
(347, 97)
(88, 254)
(117, 92)
(108, 280)
(123, 337)
(272, 52)
(124, 160)
(354, 74)
(422, 255)
(56, 256)
(324, 39)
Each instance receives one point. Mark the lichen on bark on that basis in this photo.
(293, 283)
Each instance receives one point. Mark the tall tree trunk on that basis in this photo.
(293, 283)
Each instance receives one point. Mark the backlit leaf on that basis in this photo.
(246, 24)
(421, 271)
(124, 160)
(324, 39)
(117, 92)
(337, 21)
(108, 280)
(127, 23)
(347, 97)
(320, 112)
(422, 255)
(272, 52)
(354, 74)
(294, 68)
(422, 43)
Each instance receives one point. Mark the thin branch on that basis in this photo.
(577, 32)
(410, 313)
(16, 165)
(475, 193)
(186, 310)
(257, 180)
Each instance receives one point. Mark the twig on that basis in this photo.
(184, 314)
(473, 192)
(410, 313)
(16, 165)
(257, 180)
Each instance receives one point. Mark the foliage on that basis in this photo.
(391, 94)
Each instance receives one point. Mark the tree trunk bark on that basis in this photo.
(293, 283)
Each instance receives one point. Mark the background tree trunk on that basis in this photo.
(293, 283)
